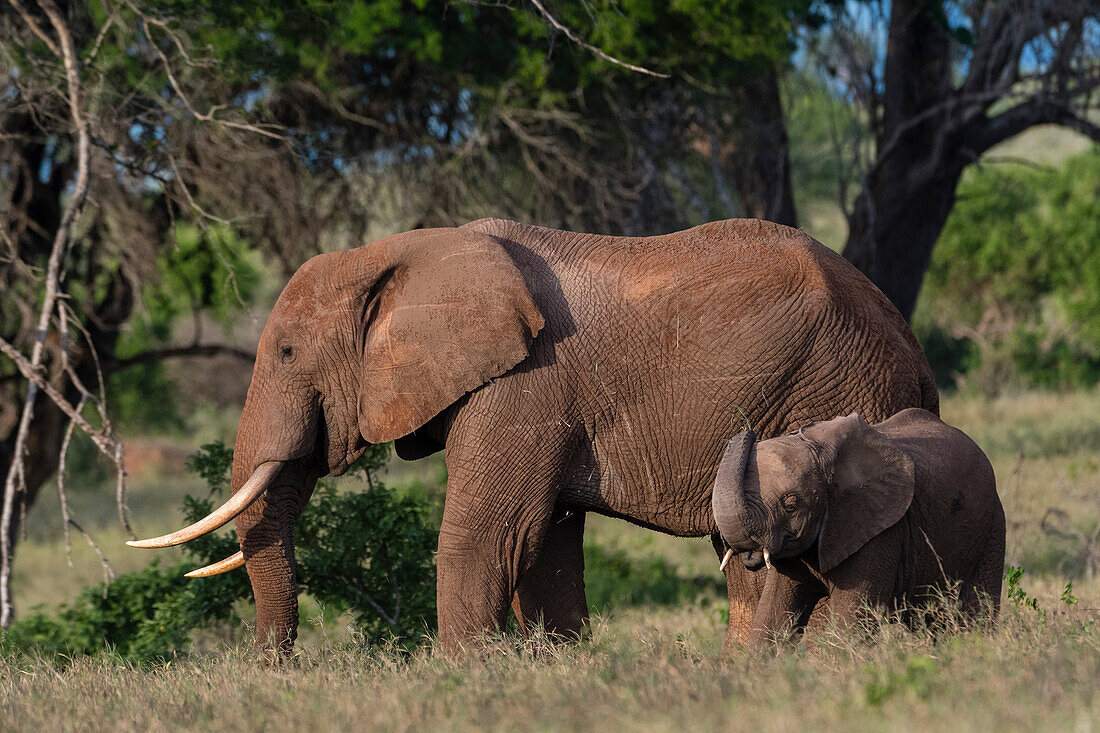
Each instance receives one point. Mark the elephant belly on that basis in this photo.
(651, 458)
(649, 472)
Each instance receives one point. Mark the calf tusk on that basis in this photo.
(767, 559)
(725, 561)
(257, 484)
(232, 562)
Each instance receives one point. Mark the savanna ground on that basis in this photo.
(650, 662)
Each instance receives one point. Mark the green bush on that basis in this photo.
(368, 553)
(1014, 284)
(613, 578)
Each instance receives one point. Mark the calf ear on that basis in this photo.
(872, 487)
(445, 311)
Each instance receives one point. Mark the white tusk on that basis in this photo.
(725, 561)
(767, 558)
(256, 485)
(232, 562)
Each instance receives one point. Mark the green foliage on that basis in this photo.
(143, 615)
(1067, 595)
(147, 615)
(1014, 283)
(212, 463)
(210, 271)
(1016, 594)
(489, 44)
(368, 553)
(814, 116)
(916, 680)
(614, 578)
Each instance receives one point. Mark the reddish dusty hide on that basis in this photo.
(564, 373)
(454, 312)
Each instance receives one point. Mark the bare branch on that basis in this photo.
(99, 39)
(209, 116)
(61, 495)
(589, 47)
(1035, 111)
(108, 571)
(155, 355)
(53, 269)
(35, 28)
(103, 440)
(120, 489)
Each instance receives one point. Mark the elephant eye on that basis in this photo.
(286, 354)
(790, 502)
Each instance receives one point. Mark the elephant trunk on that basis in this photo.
(736, 504)
(266, 532)
(742, 524)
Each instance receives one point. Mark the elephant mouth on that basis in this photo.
(329, 450)
(323, 458)
(756, 558)
(752, 559)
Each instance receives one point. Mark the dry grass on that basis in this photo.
(639, 669)
(653, 668)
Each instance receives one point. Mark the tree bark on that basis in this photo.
(910, 189)
(932, 127)
(893, 232)
(759, 163)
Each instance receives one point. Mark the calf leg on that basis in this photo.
(785, 606)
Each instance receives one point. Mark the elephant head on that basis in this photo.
(838, 483)
(363, 346)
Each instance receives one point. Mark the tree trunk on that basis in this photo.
(893, 230)
(759, 163)
(910, 189)
(47, 430)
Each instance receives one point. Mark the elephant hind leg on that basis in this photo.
(982, 593)
(551, 591)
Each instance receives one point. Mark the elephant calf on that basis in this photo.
(867, 515)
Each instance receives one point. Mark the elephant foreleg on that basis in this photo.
(785, 605)
(496, 518)
(743, 587)
(551, 591)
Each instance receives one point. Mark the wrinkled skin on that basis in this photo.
(884, 515)
(564, 373)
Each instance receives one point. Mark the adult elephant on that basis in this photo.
(564, 373)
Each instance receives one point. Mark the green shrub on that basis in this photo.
(368, 553)
(1014, 283)
(614, 578)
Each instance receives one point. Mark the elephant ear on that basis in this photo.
(727, 499)
(446, 311)
(872, 487)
